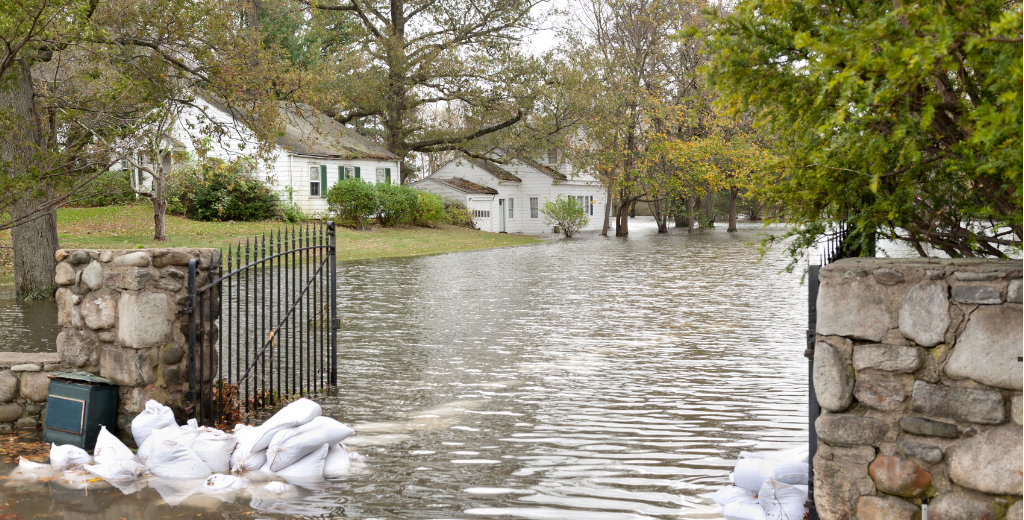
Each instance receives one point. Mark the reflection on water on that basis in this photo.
(590, 378)
(27, 326)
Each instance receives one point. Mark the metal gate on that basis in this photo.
(263, 325)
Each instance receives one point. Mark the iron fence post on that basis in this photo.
(813, 409)
(335, 325)
(190, 303)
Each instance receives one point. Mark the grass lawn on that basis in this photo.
(130, 227)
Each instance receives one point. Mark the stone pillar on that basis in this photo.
(119, 313)
(918, 375)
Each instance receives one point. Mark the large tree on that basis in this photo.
(903, 118)
(411, 57)
(77, 76)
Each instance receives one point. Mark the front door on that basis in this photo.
(501, 209)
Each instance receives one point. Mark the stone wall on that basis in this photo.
(917, 371)
(24, 379)
(119, 313)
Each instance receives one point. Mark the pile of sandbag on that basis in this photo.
(297, 443)
(766, 486)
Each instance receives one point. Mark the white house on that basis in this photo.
(313, 153)
(520, 189)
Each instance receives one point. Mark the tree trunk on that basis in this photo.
(35, 239)
(607, 211)
(622, 221)
(690, 203)
(159, 219)
(709, 208)
(632, 210)
(658, 217)
(733, 192)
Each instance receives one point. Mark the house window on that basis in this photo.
(381, 176)
(480, 213)
(314, 181)
(533, 207)
(347, 172)
(553, 156)
(511, 206)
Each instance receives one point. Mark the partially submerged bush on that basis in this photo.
(566, 213)
(353, 201)
(458, 214)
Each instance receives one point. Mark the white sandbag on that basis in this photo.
(30, 471)
(730, 494)
(170, 433)
(291, 444)
(356, 457)
(250, 462)
(153, 417)
(171, 460)
(295, 414)
(68, 456)
(751, 473)
(224, 484)
(119, 470)
(279, 488)
(337, 462)
(745, 509)
(793, 455)
(110, 449)
(215, 448)
(308, 468)
(28, 465)
(782, 501)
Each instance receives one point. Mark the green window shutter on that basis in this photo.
(357, 172)
(341, 173)
(323, 179)
(387, 175)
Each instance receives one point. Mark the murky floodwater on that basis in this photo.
(595, 378)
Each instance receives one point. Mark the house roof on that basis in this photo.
(466, 186)
(546, 170)
(311, 132)
(307, 131)
(495, 170)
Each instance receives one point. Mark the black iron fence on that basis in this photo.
(263, 326)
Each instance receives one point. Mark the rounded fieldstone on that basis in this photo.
(92, 276)
(60, 255)
(166, 258)
(991, 462)
(888, 276)
(965, 404)
(899, 477)
(1016, 409)
(891, 358)
(962, 506)
(65, 274)
(880, 390)
(885, 508)
(9, 412)
(854, 309)
(75, 349)
(172, 354)
(980, 294)
(136, 259)
(988, 348)
(1016, 511)
(924, 315)
(35, 386)
(27, 423)
(920, 451)
(9, 384)
(78, 258)
(100, 310)
(833, 385)
(33, 409)
(1013, 291)
(850, 430)
(26, 367)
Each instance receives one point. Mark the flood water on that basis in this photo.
(592, 378)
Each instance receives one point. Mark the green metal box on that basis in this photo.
(77, 405)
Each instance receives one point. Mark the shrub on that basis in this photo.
(430, 210)
(230, 191)
(566, 213)
(181, 187)
(458, 214)
(396, 204)
(353, 201)
(111, 188)
(291, 212)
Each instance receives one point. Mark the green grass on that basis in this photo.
(130, 227)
